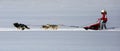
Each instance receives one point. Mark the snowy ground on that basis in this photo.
(60, 41)
(60, 29)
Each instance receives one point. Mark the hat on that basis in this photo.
(103, 12)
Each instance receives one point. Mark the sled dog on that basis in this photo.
(49, 26)
(20, 26)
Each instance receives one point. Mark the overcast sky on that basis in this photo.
(55, 7)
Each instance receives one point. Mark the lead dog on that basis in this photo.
(20, 26)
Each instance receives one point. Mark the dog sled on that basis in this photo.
(95, 26)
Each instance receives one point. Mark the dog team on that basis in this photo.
(23, 26)
(97, 26)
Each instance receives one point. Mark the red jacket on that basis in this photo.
(104, 18)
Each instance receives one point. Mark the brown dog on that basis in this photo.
(49, 26)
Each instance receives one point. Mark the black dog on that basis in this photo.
(21, 26)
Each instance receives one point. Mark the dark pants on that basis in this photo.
(103, 25)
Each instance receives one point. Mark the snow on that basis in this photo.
(60, 29)
(59, 41)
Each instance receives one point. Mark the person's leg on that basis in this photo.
(104, 24)
(101, 26)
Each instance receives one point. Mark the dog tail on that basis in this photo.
(27, 27)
